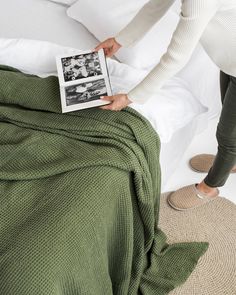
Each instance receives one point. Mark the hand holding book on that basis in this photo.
(118, 102)
(110, 47)
(84, 79)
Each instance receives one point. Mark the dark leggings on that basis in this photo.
(226, 134)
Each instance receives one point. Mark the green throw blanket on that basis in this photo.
(79, 199)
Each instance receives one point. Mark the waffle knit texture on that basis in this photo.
(79, 195)
(213, 22)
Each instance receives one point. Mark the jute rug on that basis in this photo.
(215, 223)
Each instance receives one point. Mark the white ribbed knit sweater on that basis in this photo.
(213, 22)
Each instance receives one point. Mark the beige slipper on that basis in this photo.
(203, 163)
(188, 197)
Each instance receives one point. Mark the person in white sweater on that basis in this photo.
(213, 23)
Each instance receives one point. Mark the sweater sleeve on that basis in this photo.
(194, 18)
(148, 16)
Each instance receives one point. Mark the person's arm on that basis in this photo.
(195, 16)
(148, 16)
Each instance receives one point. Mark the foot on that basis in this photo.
(190, 197)
(211, 192)
(203, 163)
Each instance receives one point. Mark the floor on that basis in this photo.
(202, 143)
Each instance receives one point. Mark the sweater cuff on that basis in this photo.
(137, 96)
(124, 39)
(145, 90)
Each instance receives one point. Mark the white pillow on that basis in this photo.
(107, 18)
(65, 2)
(171, 109)
(31, 56)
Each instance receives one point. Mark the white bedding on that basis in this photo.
(171, 109)
(44, 20)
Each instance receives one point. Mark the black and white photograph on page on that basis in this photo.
(81, 66)
(85, 92)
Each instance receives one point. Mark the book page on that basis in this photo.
(83, 78)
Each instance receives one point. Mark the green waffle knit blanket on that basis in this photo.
(79, 199)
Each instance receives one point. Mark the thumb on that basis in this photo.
(110, 52)
(100, 46)
(109, 98)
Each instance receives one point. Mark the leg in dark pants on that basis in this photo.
(226, 135)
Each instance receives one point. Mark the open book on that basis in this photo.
(83, 78)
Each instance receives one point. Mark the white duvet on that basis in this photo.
(169, 110)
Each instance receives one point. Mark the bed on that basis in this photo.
(67, 233)
(42, 20)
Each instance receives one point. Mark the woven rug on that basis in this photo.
(214, 222)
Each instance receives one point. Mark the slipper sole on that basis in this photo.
(171, 205)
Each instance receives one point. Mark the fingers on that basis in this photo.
(105, 44)
(110, 106)
(109, 53)
(108, 46)
(106, 50)
(108, 98)
(106, 108)
(100, 46)
(117, 102)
